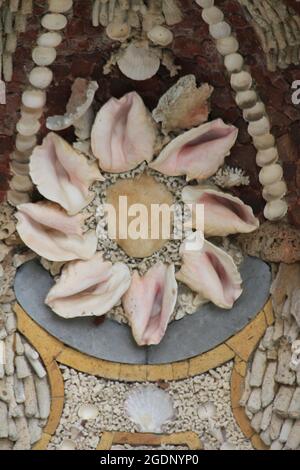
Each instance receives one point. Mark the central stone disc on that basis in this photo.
(150, 196)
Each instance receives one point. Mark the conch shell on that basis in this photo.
(198, 153)
(48, 231)
(88, 288)
(150, 302)
(211, 273)
(224, 214)
(63, 175)
(124, 134)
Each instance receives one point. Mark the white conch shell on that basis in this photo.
(88, 288)
(124, 134)
(138, 63)
(224, 214)
(150, 302)
(79, 112)
(197, 153)
(62, 174)
(149, 408)
(211, 273)
(52, 234)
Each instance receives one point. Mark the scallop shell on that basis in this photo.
(275, 210)
(54, 21)
(212, 15)
(220, 30)
(227, 45)
(34, 99)
(149, 408)
(15, 198)
(43, 56)
(138, 63)
(28, 127)
(49, 39)
(270, 174)
(88, 412)
(275, 191)
(41, 77)
(160, 35)
(233, 62)
(60, 6)
(241, 81)
(118, 31)
(267, 156)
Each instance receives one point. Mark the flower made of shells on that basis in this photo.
(177, 140)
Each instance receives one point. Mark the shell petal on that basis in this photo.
(212, 274)
(88, 288)
(52, 234)
(150, 302)
(199, 152)
(63, 175)
(124, 134)
(224, 214)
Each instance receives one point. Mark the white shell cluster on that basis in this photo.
(34, 100)
(254, 111)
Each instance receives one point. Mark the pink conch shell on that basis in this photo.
(52, 234)
(124, 134)
(199, 152)
(88, 288)
(224, 214)
(211, 273)
(150, 302)
(62, 174)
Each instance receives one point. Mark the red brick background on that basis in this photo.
(86, 49)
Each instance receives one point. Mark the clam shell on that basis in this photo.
(263, 142)
(255, 113)
(118, 31)
(41, 77)
(205, 3)
(88, 412)
(43, 56)
(270, 174)
(260, 127)
(28, 127)
(149, 408)
(160, 35)
(49, 39)
(15, 198)
(212, 15)
(34, 99)
(275, 191)
(275, 210)
(246, 99)
(24, 143)
(227, 45)
(241, 81)
(233, 62)
(267, 156)
(31, 113)
(22, 157)
(138, 63)
(21, 183)
(19, 168)
(220, 30)
(60, 6)
(54, 21)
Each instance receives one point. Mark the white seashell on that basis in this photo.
(233, 62)
(241, 81)
(88, 412)
(19, 168)
(260, 127)
(205, 3)
(67, 444)
(118, 31)
(50, 39)
(54, 21)
(212, 15)
(149, 408)
(15, 198)
(40, 77)
(28, 127)
(263, 142)
(246, 99)
(275, 191)
(275, 210)
(207, 410)
(31, 113)
(34, 99)
(220, 30)
(254, 113)
(43, 56)
(60, 6)
(227, 45)
(160, 35)
(138, 63)
(24, 143)
(267, 156)
(21, 183)
(270, 174)
(22, 157)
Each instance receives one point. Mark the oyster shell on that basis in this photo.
(88, 288)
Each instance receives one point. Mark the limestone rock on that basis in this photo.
(269, 386)
(283, 400)
(275, 426)
(258, 368)
(284, 375)
(254, 403)
(293, 440)
(294, 408)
